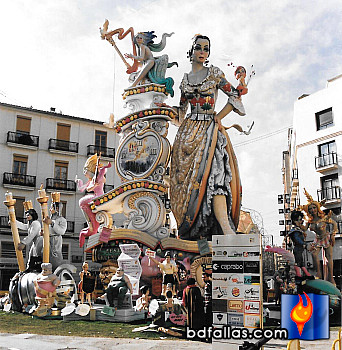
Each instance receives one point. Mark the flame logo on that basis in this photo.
(301, 314)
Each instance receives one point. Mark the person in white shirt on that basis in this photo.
(33, 237)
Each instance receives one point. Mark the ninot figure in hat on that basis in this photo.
(95, 173)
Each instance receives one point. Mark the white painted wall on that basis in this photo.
(305, 130)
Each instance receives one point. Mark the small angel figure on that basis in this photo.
(95, 172)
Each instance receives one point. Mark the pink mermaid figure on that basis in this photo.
(95, 172)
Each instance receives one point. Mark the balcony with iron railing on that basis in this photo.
(330, 194)
(106, 152)
(326, 162)
(24, 139)
(11, 179)
(61, 185)
(63, 146)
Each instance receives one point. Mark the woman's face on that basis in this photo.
(88, 174)
(201, 51)
(312, 209)
(28, 217)
(139, 39)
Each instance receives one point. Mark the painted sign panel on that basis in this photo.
(220, 318)
(251, 307)
(220, 305)
(235, 319)
(235, 305)
(252, 292)
(252, 321)
(220, 292)
(235, 266)
(251, 279)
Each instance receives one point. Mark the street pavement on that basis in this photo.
(48, 342)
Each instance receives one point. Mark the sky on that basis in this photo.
(52, 56)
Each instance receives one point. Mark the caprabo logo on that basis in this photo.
(309, 321)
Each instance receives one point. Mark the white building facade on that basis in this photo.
(313, 159)
(49, 148)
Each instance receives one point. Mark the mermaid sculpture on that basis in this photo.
(154, 68)
(95, 172)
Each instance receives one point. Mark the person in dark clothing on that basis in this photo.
(278, 287)
(208, 310)
(193, 303)
(297, 237)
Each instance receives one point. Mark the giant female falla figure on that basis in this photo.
(205, 186)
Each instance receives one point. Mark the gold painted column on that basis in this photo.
(9, 202)
(42, 200)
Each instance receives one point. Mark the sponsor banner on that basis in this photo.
(220, 305)
(220, 292)
(231, 253)
(251, 307)
(220, 318)
(236, 292)
(251, 279)
(252, 321)
(219, 253)
(235, 319)
(252, 240)
(235, 279)
(252, 292)
(235, 305)
(235, 266)
(220, 277)
(220, 283)
(251, 266)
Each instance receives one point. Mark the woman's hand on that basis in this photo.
(128, 55)
(332, 240)
(21, 246)
(217, 120)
